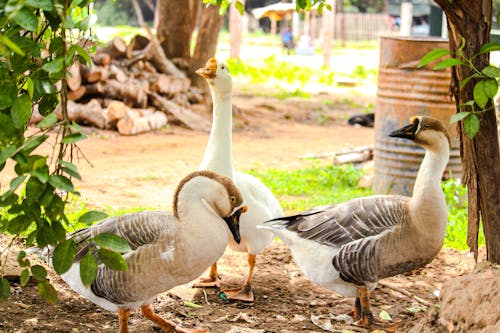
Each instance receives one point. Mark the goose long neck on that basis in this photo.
(428, 201)
(218, 153)
(200, 226)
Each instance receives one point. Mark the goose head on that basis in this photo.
(425, 131)
(219, 194)
(217, 75)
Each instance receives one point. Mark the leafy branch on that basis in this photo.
(39, 41)
(485, 86)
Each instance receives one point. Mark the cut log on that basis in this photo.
(132, 124)
(116, 48)
(102, 59)
(94, 74)
(169, 85)
(89, 114)
(76, 94)
(185, 116)
(115, 72)
(116, 111)
(138, 42)
(127, 92)
(74, 79)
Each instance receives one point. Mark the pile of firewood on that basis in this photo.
(133, 88)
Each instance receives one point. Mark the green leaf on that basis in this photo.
(39, 272)
(61, 182)
(30, 87)
(26, 19)
(24, 277)
(112, 259)
(6, 153)
(8, 95)
(16, 182)
(385, 316)
(64, 256)
(19, 224)
(48, 293)
(42, 4)
(447, 63)
(4, 289)
(92, 216)
(479, 94)
(112, 242)
(320, 8)
(21, 111)
(239, 7)
(70, 169)
(73, 137)
(490, 88)
(458, 116)
(33, 142)
(54, 66)
(471, 125)
(83, 54)
(431, 56)
(491, 71)
(302, 3)
(11, 45)
(489, 47)
(48, 121)
(20, 259)
(42, 174)
(192, 305)
(88, 269)
(467, 79)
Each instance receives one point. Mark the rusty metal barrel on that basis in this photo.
(404, 91)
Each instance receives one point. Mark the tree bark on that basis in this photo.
(206, 43)
(480, 155)
(175, 28)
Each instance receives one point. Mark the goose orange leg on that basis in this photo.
(212, 281)
(364, 307)
(244, 293)
(123, 315)
(166, 325)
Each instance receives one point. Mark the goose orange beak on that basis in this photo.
(210, 69)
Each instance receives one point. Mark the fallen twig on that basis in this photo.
(406, 293)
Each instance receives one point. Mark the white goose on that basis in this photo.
(262, 205)
(350, 246)
(167, 249)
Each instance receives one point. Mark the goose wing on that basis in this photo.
(138, 229)
(337, 225)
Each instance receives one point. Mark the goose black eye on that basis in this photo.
(233, 199)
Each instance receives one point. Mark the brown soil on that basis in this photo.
(142, 171)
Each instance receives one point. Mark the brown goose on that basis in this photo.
(167, 249)
(350, 246)
(262, 205)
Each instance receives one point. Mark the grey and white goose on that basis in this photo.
(348, 247)
(167, 249)
(262, 205)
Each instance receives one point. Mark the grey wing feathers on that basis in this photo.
(337, 225)
(137, 229)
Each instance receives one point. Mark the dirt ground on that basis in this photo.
(142, 171)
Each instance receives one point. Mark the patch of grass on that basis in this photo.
(456, 230)
(321, 184)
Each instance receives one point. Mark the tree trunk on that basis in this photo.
(480, 155)
(206, 42)
(235, 30)
(175, 27)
